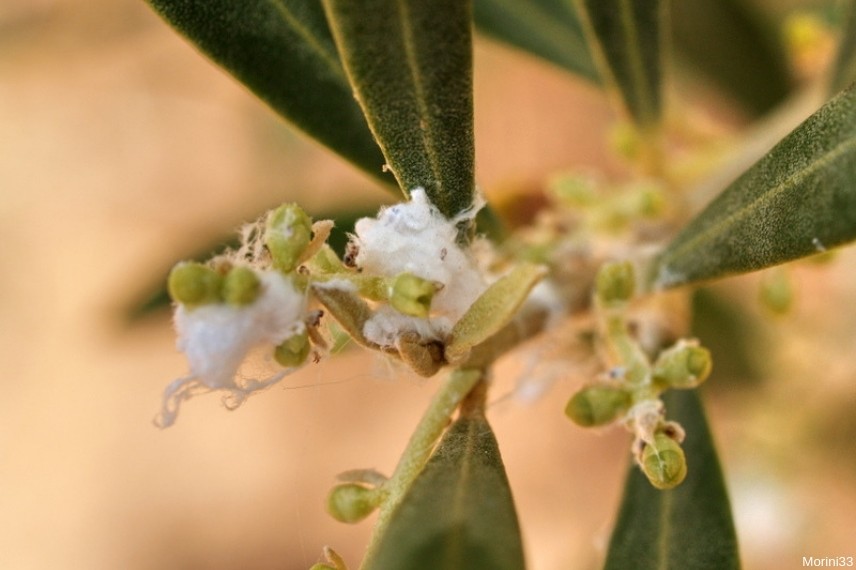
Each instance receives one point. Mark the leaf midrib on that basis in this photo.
(408, 38)
(665, 526)
(637, 67)
(311, 41)
(758, 203)
(456, 542)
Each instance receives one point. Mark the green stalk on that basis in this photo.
(420, 446)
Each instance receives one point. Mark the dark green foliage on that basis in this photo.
(549, 29)
(734, 47)
(627, 36)
(282, 50)
(459, 512)
(686, 528)
(844, 70)
(410, 63)
(797, 200)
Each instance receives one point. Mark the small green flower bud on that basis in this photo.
(351, 503)
(287, 234)
(650, 201)
(685, 365)
(573, 190)
(597, 405)
(412, 295)
(241, 286)
(777, 292)
(615, 282)
(193, 284)
(663, 462)
(293, 351)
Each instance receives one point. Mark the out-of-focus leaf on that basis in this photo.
(844, 70)
(549, 29)
(156, 298)
(410, 64)
(686, 528)
(283, 51)
(459, 512)
(799, 199)
(728, 41)
(732, 335)
(627, 39)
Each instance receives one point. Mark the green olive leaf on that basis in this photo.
(283, 51)
(626, 37)
(549, 29)
(844, 69)
(458, 513)
(686, 528)
(751, 65)
(410, 64)
(492, 310)
(797, 200)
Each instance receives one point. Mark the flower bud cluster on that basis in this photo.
(404, 284)
(232, 306)
(631, 392)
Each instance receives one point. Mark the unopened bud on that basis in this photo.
(241, 286)
(685, 365)
(777, 292)
(412, 295)
(574, 190)
(293, 351)
(351, 503)
(597, 405)
(615, 282)
(663, 462)
(287, 234)
(193, 284)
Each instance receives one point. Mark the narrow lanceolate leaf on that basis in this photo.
(492, 310)
(549, 29)
(410, 64)
(797, 200)
(459, 512)
(627, 40)
(283, 51)
(751, 65)
(686, 528)
(844, 70)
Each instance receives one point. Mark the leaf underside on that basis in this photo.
(459, 513)
(549, 29)
(796, 201)
(410, 63)
(687, 528)
(283, 51)
(626, 36)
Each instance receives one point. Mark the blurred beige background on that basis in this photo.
(122, 150)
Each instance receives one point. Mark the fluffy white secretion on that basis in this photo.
(216, 339)
(415, 237)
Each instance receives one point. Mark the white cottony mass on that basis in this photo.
(216, 339)
(414, 237)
